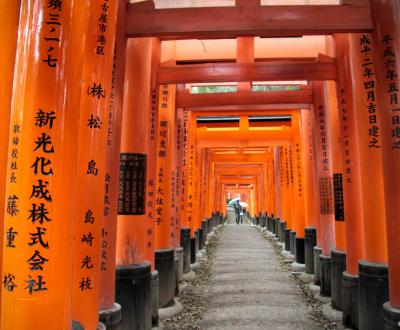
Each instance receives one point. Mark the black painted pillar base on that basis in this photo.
(269, 227)
(204, 229)
(201, 239)
(77, 326)
(209, 225)
(133, 292)
(391, 317)
(282, 225)
(155, 301)
(325, 266)
(338, 267)
(197, 240)
(317, 268)
(164, 264)
(373, 293)
(300, 258)
(350, 300)
(310, 240)
(292, 242)
(287, 239)
(278, 228)
(273, 227)
(111, 318)
(185, 244)
(193, 250)
(276, 223)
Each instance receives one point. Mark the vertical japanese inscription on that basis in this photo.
(370, 91)
(392, 91)
(338, 196)
(132, 191)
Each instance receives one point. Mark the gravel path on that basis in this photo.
(249, 290)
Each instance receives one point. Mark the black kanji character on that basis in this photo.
(94, 122)
(12, 207)
(38, 237)
(8, 282)
(10, 237)
(85, 284)
(35, 285)
(40, 191)
(86, 262)
(45, 118)
(96, 91)
(92, 169)
(39, 213)
(42, 163)
(44, 142)
(36, 262)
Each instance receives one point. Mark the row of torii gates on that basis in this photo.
(107, 157)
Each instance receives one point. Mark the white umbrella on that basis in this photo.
(243, 204)
(233, 201)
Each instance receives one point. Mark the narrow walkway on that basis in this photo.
(249, 291)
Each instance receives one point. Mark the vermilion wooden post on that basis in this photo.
(386, 17)
(41, 166)
(191, 163)
(110, 311)
(348, 192)
(299, 187)
(135, 240)
(326, 234)
(332, 103)
(164, 245)
(91, 162)
(312, 219)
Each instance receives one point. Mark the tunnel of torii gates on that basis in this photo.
(115, 167)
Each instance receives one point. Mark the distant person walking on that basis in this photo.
(238, 211)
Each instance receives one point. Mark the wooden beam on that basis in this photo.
(259, 71)
(256, 109)
(185, 99)
(231, 22)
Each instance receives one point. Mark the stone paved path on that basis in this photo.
(249, 291)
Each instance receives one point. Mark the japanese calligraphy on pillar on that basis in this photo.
(325, 195)
(184, 158)
(299, 170)
(132, 183)
(162, 149)
(370, 91)
(96, 105)
(345, 135)
(291, 173)
(287, 170)
(30, 226)
(392, 92)
(324, 138)
(338, 196)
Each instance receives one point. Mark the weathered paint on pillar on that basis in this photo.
(320, 115)
(111, 184)
(386, 39)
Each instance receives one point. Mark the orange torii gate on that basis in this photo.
(78, 127)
